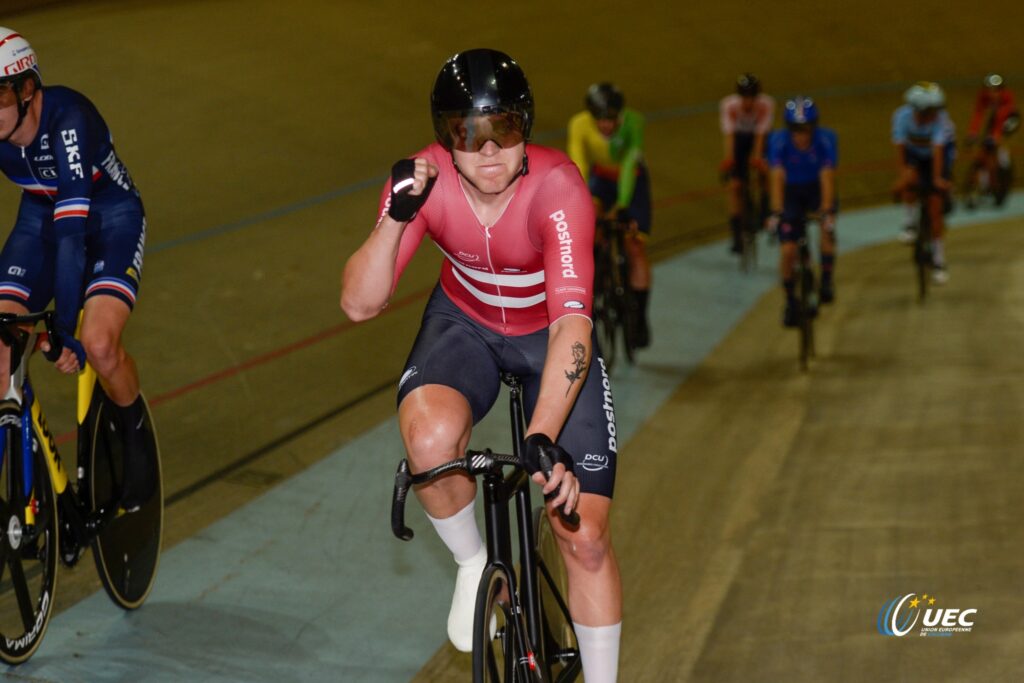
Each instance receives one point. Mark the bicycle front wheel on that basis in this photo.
(127, 549)
(561, 653)
(28, 552)
(497, 654)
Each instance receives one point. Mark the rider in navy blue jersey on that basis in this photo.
(78, 238)
(803, 158)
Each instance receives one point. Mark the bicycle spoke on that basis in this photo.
(20, 585)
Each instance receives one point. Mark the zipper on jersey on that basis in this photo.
(490, 264)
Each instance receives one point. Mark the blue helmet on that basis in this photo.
(801, 110)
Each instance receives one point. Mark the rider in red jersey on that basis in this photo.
(516, 223)
(995, 118)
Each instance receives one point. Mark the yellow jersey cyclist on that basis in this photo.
(516, 224)
(606, 142)
(78, 238)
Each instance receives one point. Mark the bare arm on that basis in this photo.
(827, 176)
(778, 186)
(565, 368)
(369, 274)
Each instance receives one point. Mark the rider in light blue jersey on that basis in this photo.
(925, 142)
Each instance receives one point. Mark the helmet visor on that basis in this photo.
(470, 132)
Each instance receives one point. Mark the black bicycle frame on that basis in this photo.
(498, 491)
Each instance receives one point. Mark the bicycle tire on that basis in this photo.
(922, 253)
(127, 549)
(561, 653)
(495, 648)
(604, 321)
(28, 563)
(807, 304)
(748, 242)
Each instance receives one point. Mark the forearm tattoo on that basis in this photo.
(579, 361)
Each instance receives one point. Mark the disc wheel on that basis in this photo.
(127, 549)
(561, 653)
(28, 553)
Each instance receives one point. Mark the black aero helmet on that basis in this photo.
(748, 85)
(604, 100)
(480, 82)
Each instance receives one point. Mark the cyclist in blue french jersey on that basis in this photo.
(803, 158)
(78, 238)
(926, 147)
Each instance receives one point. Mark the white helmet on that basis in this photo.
(925, 95)
(16, 55)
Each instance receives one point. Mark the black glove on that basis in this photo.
(403, 206)
(540, 455)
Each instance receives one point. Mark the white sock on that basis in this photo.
(938, 253)
(910, 214)
(599, 650)
(460, 533)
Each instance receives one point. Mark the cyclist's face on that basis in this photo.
(747, 102)
(8, 107)
(802, 135)
(607, 126)
(492, 168)
(926, 115)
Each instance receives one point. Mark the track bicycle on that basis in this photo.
(807, 300)
(615, 309)
(751, 217)
(45, 516)
(922, 254)
(522, 630)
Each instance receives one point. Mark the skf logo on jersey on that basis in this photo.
(565, 244)
(899, 616)
(70, 138)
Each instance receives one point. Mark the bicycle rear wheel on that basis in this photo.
(127, 548)
(808, 310)
(495, 649)
(28, 553)
(561, 653)
(923, 253)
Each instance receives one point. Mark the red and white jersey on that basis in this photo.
(534, 265)
(758, 120)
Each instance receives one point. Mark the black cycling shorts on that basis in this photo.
(454, 350)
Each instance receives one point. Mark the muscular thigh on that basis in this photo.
(451, 351)
(115, 253)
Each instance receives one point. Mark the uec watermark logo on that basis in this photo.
(899, 616)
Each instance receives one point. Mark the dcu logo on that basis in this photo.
(899, 616)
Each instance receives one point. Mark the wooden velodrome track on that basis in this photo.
(259, 133)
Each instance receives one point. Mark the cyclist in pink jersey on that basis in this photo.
(515, 222)
(746, 120)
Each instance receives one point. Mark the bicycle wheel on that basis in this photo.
(748, 258)
(923, 253)
(605, 315)
(561, 653)
(28, 553)
(495, 649)
(127, 548)
(807, 309)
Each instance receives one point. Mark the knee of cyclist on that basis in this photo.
(430, 440)
(588, 547)
(103, 350)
